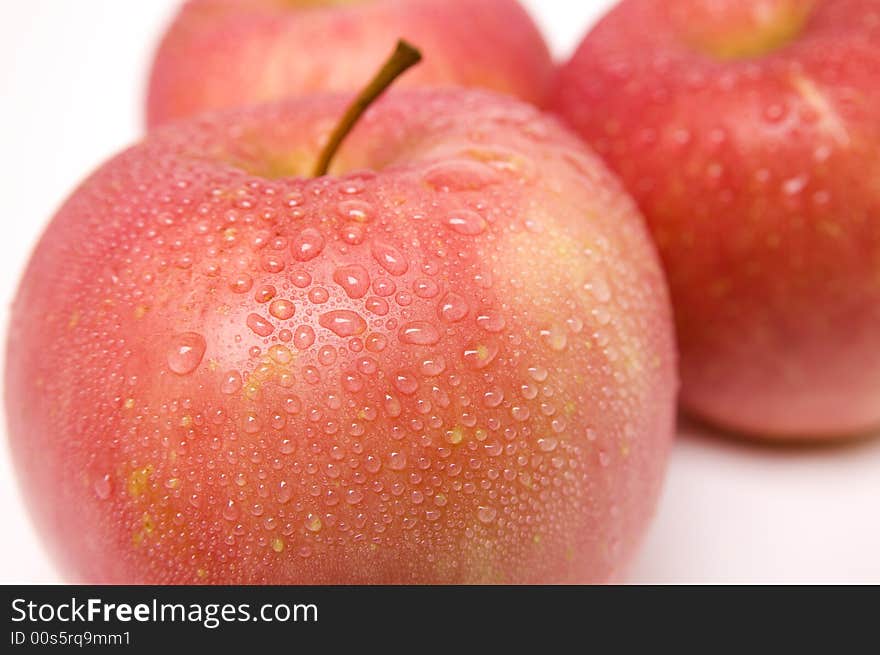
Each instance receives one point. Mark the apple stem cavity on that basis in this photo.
(404, 57)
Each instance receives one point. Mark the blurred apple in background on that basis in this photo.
(450, 360)
(749, 133)
(225, 53)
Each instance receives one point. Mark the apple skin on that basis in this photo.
(449, 361)
(750, 142)
(227, 53)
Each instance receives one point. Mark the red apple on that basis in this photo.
(224, 53)
(449, 361)
(749, 133)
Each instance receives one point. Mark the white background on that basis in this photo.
(72, 77)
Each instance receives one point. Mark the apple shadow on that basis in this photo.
(742, 510)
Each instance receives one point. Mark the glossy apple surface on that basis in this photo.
(228, 53)
(451, 360)
(749, 133)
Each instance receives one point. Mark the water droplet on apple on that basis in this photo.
(272, 263)
(433, 366)
(367, 365)
(547, 444)
(529, 391)
(480, 355)
(425, 288)
(376, 342)
(397, 461)
(282, 309)
(372, 464)
(555, 338)
(301, 279)
(352, 383)
(343, 323)
(231, 382)
(280, 354)
(376, 305)
(406, 383)
(327, 356)
(241, 283)
(419, 333)
(230, 510)
(354, 279)
(775, 112)
(491, 321)
(103, 487)
(303, 337)
(486, 514)
(602, 315)
(259, 325)
(265, 293)
(452, 307)
(313, 523)
(318, 295)
(352, 186)
(493, 397)
(493, 448)
(384, 287)
(186, 353)
(307, 245)
(392, 406)
(460, 175)
(538, 373)
(352, 233)
(389, 257)
(284, 493)
(251, 423)
(355, 210)
(465, 222)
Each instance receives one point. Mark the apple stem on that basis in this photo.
(404, 56)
